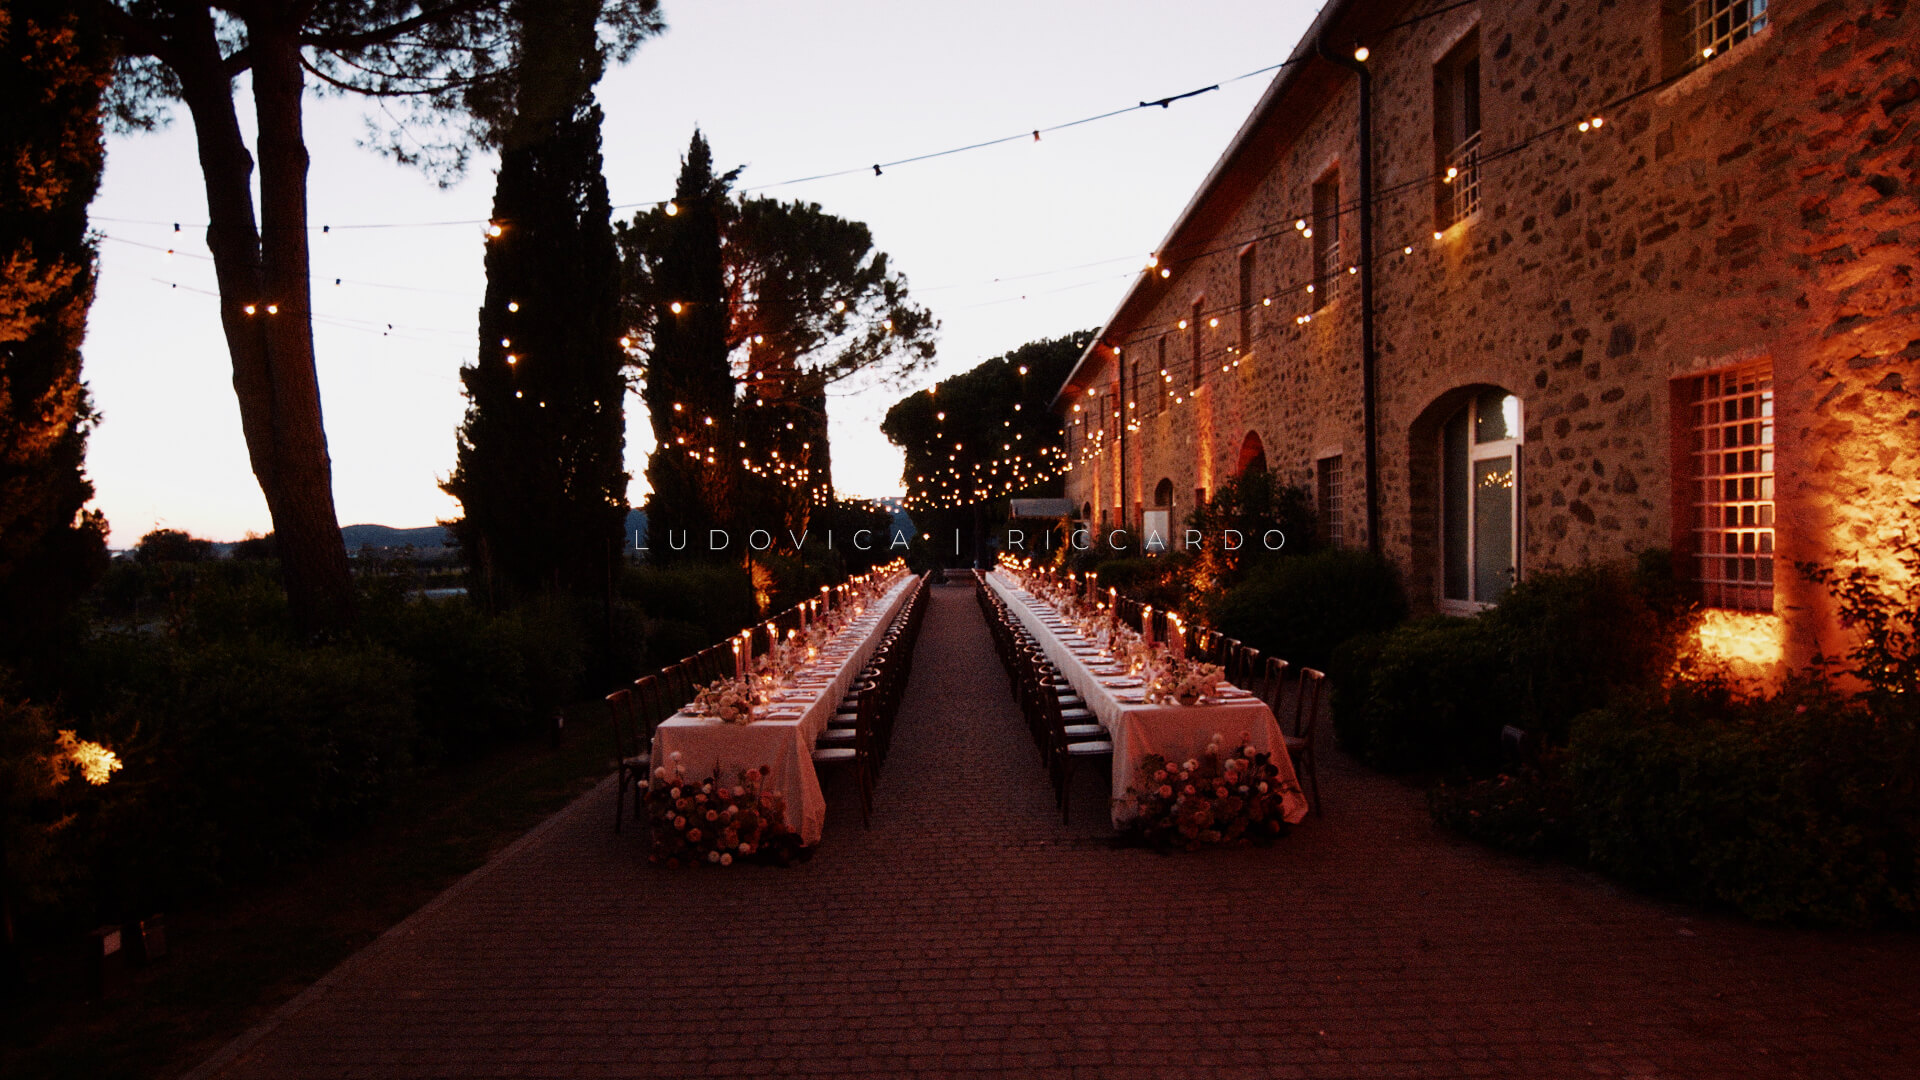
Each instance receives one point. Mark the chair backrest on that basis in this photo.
(1276, 682)
(620, 711)
(650, 704)
(681, 679)
(1252, 667)
(1308, 695)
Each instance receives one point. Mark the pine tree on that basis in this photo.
(689, 390)
(53, 69)
(540, 473)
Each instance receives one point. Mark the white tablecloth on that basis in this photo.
(786, 743)
(1175, 732)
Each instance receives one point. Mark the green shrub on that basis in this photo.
(476, 678)
(1528, 809)
(1438, 692)
(1301, 608)
(717, 598)
(1159, 580)
(1575, 638)
(1435, 697)
(1803, 807)
(238, 755)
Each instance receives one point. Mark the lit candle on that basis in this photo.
(738, 668)
(1092, 592)
(1146, 624)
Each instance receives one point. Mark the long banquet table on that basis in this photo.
(784, 739)
(1174, 731)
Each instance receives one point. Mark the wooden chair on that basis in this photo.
(632, 762)
(855, 754)
(1309, 695)
(1068, 744)
(1275, 685)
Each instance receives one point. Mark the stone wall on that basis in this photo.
(1763, 206)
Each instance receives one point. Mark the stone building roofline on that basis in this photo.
(1290, 76)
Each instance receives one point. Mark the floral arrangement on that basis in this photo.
(732, 700)
(719, 824)
(1182, 680)
(1214, 799)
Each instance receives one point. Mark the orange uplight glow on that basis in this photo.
(95, 762)
(1745, 645)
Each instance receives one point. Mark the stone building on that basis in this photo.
(1640, 276)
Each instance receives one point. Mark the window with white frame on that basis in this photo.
(1729, 420)
(1719, 25)
(1456, 135)
(1480, 498)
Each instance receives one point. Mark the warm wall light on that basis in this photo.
(1743, 644)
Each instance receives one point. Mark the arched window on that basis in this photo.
(1163, 494)
(1086, 511)
(1253, 455)
(1480, 498)
(1156, 525)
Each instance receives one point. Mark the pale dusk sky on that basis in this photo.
(1006, 244)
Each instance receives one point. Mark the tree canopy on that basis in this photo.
(452, 67)
(988, 433)
(804, 302)
(54, 65)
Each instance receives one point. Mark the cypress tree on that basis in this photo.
(540, 473)
(53, 68)
(689, 390)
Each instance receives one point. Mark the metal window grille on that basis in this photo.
(1730, 415)
(1719, 25)
(1463, 179)
(1332, 497)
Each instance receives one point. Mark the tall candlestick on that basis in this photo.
(1146, 623)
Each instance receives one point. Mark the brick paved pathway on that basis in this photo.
(968, 932)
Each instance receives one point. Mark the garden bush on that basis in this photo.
(1435, 694)
(1798, 807)
(476, 678)
(717, 598)
(1301, 608)
(239, 756)
(1526, 809)
(1434, 697)
(1159, 580)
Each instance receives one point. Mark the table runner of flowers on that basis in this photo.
(709, 822)
(1217, 799)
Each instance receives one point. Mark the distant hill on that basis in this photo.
(386, 536)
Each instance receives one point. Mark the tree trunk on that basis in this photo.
(266, 312)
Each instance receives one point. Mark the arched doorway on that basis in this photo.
(1156, 525)
(1465, 489)
(1253, 455)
